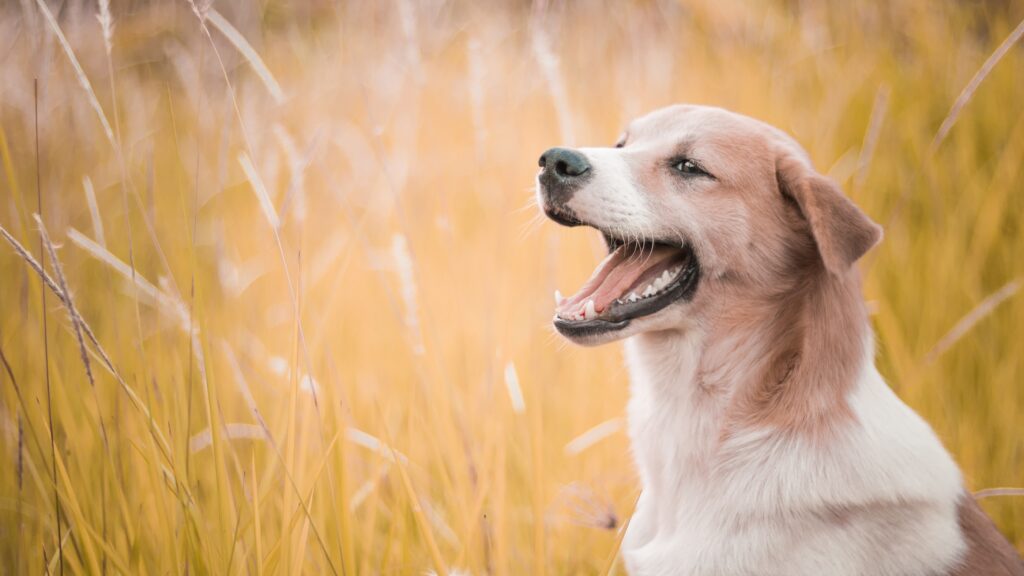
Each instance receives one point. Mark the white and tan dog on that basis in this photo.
(766, 440)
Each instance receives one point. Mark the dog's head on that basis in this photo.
(697, 205)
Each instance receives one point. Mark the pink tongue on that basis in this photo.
(613, 276)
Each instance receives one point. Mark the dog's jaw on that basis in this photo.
(633, 284)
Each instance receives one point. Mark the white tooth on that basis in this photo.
(558, 298)
(589, 311)
(666, 276)
(649, 291)
(633, 297)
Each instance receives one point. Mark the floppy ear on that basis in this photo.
(842, 232)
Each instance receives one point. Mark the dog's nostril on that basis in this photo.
(566, 163)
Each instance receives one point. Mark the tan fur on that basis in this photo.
(841, 231)
(809, 344)
(814, 331)
(785, 316)
(988, 552)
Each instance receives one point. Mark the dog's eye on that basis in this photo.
(689, 167)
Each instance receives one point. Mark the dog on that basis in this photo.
(765, 438)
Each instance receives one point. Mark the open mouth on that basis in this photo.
(635, 280)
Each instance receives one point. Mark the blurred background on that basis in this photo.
(299, 300)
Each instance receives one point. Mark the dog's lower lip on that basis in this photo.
(584, 328)
(562, 217)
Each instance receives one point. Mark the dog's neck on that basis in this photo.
(782, 361)
(766, 427)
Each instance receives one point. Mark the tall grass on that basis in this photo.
(298, 301)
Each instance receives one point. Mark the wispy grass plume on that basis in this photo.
(246, 49)
(407, 285)
(258, 188)
(232, 431)
(972, 86)
(94, 212)
(170, 304)
(106, 25)
(515, 392)
(76, 320)
(977, 314)
(593, 436)
(83, 80)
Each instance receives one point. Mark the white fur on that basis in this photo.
(765, 503)
(612, 200)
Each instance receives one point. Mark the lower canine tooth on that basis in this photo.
(589, 311)
(558, 298)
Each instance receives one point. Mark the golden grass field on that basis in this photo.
(302, 236)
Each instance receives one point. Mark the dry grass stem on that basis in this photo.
(972, 86)
(977, 314)
(246, 49)
(83, 80)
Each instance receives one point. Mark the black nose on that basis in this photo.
(563, 172)
(563, 163)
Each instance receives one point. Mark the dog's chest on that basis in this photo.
(690, 520)
(761, 504)
(672, 425)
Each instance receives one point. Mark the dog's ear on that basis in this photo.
(841, 231)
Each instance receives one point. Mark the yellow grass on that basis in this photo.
(301, 236)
